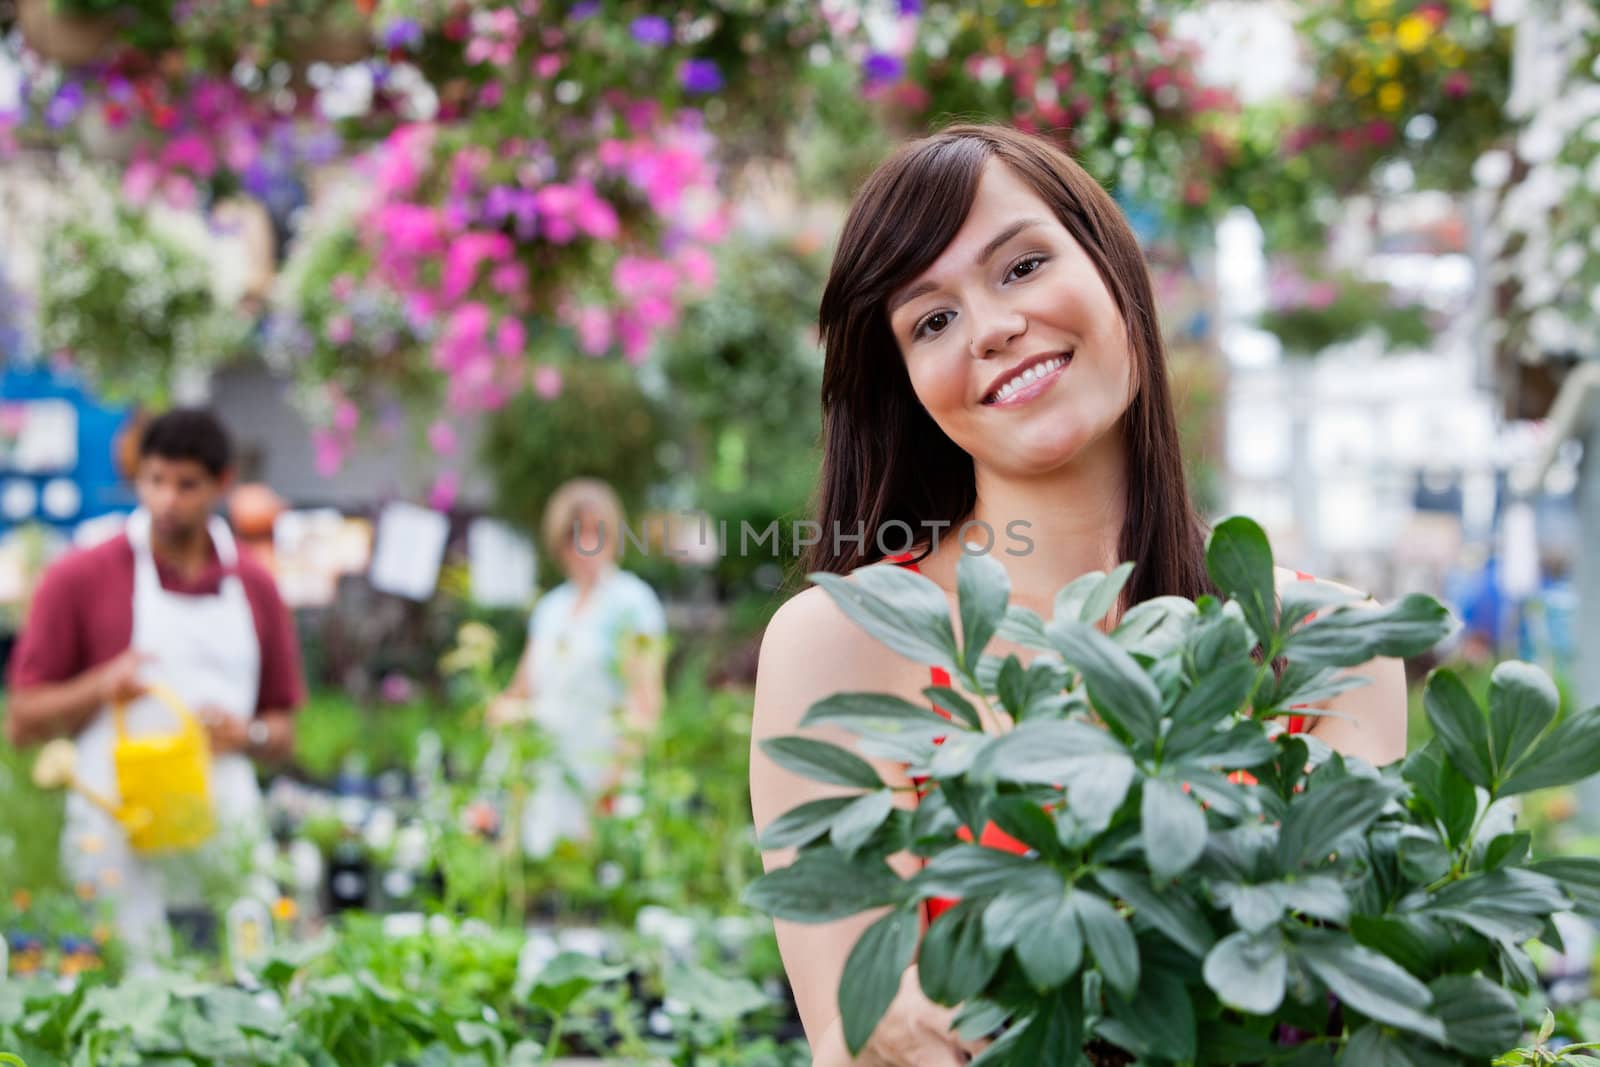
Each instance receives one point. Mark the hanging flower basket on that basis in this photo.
(73, 40)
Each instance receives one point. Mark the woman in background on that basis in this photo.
(591, 673)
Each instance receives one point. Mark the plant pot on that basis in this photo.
(72, 40)
(335, 42)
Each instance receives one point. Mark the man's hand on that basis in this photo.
(117, 680)
(228, 733)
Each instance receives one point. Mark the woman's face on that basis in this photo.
(1012, 342)
(585, 557)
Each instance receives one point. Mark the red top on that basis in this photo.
(993, 836)
(82, 615)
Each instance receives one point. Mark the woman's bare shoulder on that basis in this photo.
(811, 649)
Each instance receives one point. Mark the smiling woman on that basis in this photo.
(993, 361)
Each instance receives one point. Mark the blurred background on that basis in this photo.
(429, 259)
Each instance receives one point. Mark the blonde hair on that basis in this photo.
(574, 501)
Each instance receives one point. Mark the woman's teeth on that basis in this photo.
(1028, 377)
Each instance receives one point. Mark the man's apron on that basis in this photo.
(205, 649)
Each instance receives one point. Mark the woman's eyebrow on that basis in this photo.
(899, 300)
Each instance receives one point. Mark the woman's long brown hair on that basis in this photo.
(883, 456)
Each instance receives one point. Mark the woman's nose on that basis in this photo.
(994, 327)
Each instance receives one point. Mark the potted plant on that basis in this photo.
(1205, 889)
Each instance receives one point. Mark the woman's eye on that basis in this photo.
(934, 323)
(1027, 266)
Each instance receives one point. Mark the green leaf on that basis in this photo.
(1105, 594)
(1052, 1037)
(954, 963)
(1022, 626)
(1216, 696)
(903, 609)
(1301, 600)
(1423, 857)
(863, 712)
(1244, 745)
(1154, 627)
(872, 973)
(1161, 1017)
(979, 1018)
(1522, 703)
(1070, 599)
(1012, 687)
(858, 822)
(1239, 561)
(958, 706)
(967, 872)
(1316, 822)
(567, 977)
(821, 761)
(1042, 928)
(804, 824)
(1318, 896)
(1111, 941)
(1047, 752)
(982, 589)
(1369, 982)
(1414, 941)
(1520, 891)
(1248, 971)
(1565, 755)
(1173, 828)
(1479, 1017)
(1460, 725)
(1172, 912)
(1507, 850)
(1349, 637)
(1120, 690)
(1579, 877)
(1026, 821)
(822, 885)
(1370, 1046)
(1446, 791)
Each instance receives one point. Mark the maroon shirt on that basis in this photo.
(82, 615)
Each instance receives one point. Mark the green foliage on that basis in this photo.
(1350, 308)
(1158, 885)
(603, 425)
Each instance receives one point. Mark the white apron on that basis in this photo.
(206, 650)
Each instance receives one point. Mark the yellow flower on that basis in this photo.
(111, 878)
(1379, 31)
(1369, 9)
(1388, 66)
(101, 933)
(85, 890)
(1450, 53)
(1391, 96)
(1413, 33)
(284, 909)
(1361, 84)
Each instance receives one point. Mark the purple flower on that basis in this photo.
(881, 67)
(583, 10)
(652, 30)
(910, 7)
(700, 76)
(64, 106)
(402, 33)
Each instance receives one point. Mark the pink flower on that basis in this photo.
(396, 688)
(346, 417)
(595, 216)
(442, 438)
(697, 266)
(179, 192)
(343, 287)
(510, 336)
(192, 153)
(547, 382)
(461, 262)
(329, 452)
(1457, 84)
(509, 279)
(547, 66)
(594, 330)
(634, 337)
(340, 329)
(442, 497)
(139, 181)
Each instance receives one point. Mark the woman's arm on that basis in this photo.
(811, 650)
(1370, 721)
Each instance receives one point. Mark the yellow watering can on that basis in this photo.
(164, 780)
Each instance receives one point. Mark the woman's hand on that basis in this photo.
(914, 1032)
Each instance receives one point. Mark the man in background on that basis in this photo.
(170, 601)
